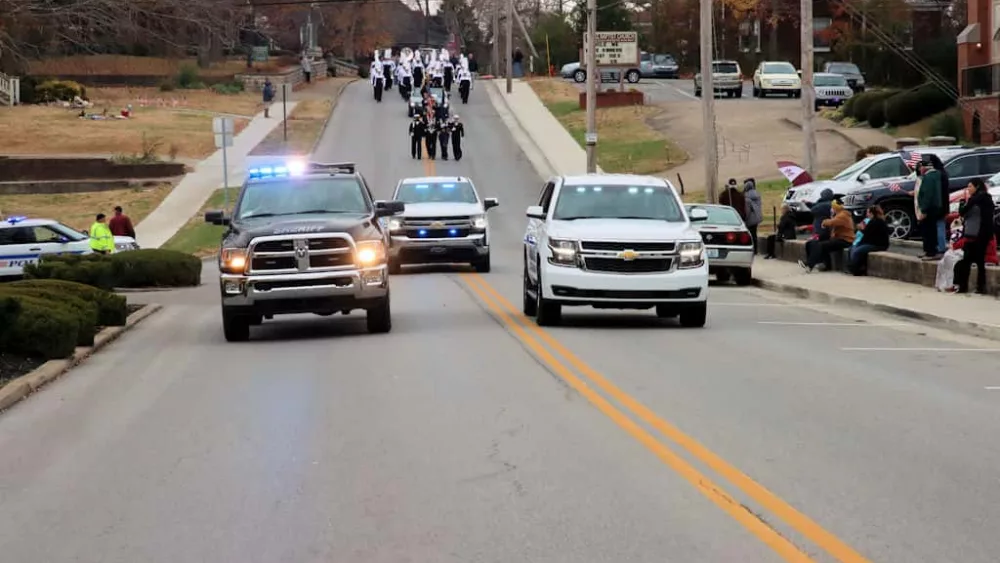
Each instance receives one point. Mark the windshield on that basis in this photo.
(725, 68)
(845, 68)
(663, 59)
(656, 203)
(831, 80)
(437, 192)
(291, 196)
(718, 215)
(846, 173)
(779, 68)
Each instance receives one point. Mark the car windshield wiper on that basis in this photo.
(315, 211)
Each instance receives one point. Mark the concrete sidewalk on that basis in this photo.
(546, 137)
(193, 191)
(974, 315)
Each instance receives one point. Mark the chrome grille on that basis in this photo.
(641, 266)
(436, 222)
(644, 257)
(622, 246)
(289, 254)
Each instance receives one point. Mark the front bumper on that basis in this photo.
(573, 286)
(313, 292)
(831, 101)
(406, 250)
(723, 86)
(728, 257)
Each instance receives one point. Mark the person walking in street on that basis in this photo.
(120, 224)
(928, 207)
(431, 135)
(457, 132)
(267, 95)
(417, 131)
(841, 226)
(444, 135)
(378, 80)
(873, 237)
(307, 69)
(755, 211)
(101, 239)
(977, 217)
(732, 197)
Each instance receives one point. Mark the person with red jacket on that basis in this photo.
(120, 224)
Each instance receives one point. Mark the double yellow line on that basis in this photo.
(540, 343)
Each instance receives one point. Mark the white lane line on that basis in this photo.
(920, 349)
(710, 302)
(682, 92)
(992, 388)
(857, 324)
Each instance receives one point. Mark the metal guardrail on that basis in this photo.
(10, 90)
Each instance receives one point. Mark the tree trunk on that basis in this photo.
(772, 44)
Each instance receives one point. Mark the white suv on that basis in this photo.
(614, 242)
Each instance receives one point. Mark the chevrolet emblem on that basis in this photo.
(627, 255)
(437, 225)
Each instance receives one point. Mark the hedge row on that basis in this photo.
(896, 108)
(136, 268)
(48, 319)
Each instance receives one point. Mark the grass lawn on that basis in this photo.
(198, 237)
(626, 143)
(126, 65)
(78, 210)
(305, 125)
(177, 123)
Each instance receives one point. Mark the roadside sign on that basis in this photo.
(222, 125)
(614, 49)
(591, 138)
(223, 140)
(259, 54)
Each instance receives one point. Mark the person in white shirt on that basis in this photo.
(418, 71)
(448, 70)
(377, 79)
(464, 80)
(405, 81)
(388, 68)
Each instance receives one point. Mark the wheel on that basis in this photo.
(547, 313)
(632, 76)
(694, 317)
(666, 311)
(797, 94)
(743, 276)
(530, 306)
(395, 268)
(380, 317)
(482, 265)
(756, 92)
(723, 276)
(235, 327)
(901, 220)
(580, 76)
(738, 93)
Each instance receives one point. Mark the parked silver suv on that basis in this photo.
(726, 78)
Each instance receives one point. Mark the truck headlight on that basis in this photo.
(369, 253)
(692, 254)
(233, 260)
(479, 222)
(563, 252)
(395, 225)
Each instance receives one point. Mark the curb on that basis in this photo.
(968, 328)
(18, 389)
(124, 290)
(329, 118)
(836, 131)
(536, 148)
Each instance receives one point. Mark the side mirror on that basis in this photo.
(216, 217)
(388, 208)
(490, 203)
(864, 178)
(536, 212)
(698, 215)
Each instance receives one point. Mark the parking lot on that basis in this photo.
(662, 90)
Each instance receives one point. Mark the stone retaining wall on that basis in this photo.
(25, 169)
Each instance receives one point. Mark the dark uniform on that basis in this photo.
(430, 134)
(444, 133)
(417, 131)
(457, 132)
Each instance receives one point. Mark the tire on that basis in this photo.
(482, 265)
(723, 276)
(694, 317)
(547, 313)
(235, 327)
(529, 307)
(379, 317)
(666, 312)
(580, 76)
(756, 92)
(395, 268)
(632, 76)
(743, 276)
(738, 93)
(797, 94)
(901, 220)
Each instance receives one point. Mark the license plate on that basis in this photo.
(713, 253)
(835, 100)
(438, 250)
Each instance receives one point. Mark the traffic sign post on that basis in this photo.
(223, 129)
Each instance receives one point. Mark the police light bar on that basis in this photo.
(16, 219)
(275, 166)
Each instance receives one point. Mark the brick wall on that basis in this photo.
(293, 77)
(989, 118)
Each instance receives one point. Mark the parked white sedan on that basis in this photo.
(728, 243)
(24, 241)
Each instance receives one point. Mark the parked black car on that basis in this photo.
(896, 196)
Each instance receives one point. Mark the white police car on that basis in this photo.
(23, 241)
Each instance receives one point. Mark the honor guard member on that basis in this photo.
(430, 134)
(388, 68)
(457, 132)
(444, 136)
(378, 81)
(418, 71)
(417, 131)
(464, 80)
(448, 70)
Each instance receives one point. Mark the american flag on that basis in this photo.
(895, 187)
(912, 158)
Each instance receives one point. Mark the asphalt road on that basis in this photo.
(465, 435)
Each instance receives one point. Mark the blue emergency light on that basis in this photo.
(422, 232)
(276, 169)
(16, 219)
(453, 232)
(422, 186)
(447, 185)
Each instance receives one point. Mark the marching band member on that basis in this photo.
(418, 71)
(448, 70)
(377, 79)
(388, 68)
(444, 133)
(457, 132)
(418, 130)
(436, 70)
(464, 80)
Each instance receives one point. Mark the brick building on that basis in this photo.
(978, 63)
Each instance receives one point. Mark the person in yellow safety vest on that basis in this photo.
(101, 239)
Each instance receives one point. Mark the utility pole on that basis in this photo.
(496, 38)
(593, 75)
(808, 93)
(708, 104)
(510, 45)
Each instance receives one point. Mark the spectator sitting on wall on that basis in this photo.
(841, 228)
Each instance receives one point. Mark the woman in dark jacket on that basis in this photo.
(874, 238)
(821, 212)
(787, 230)
(977, 216)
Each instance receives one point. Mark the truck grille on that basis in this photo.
(616, 265)
(437, 233)
(301, 253)
(437, 223)
(621, 246)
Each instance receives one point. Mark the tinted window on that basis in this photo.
(962, 167)
(725, 68)
(888, 168)
(294, 196)
(645, 57)
(719, 215)
(991, 162)
(830, 81)
(17, 235)
(844, 68)
(779, 68)
(546, 197)
(618, 202)
(451, 192)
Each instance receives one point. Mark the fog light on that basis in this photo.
(233, 288)
(373, 277)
